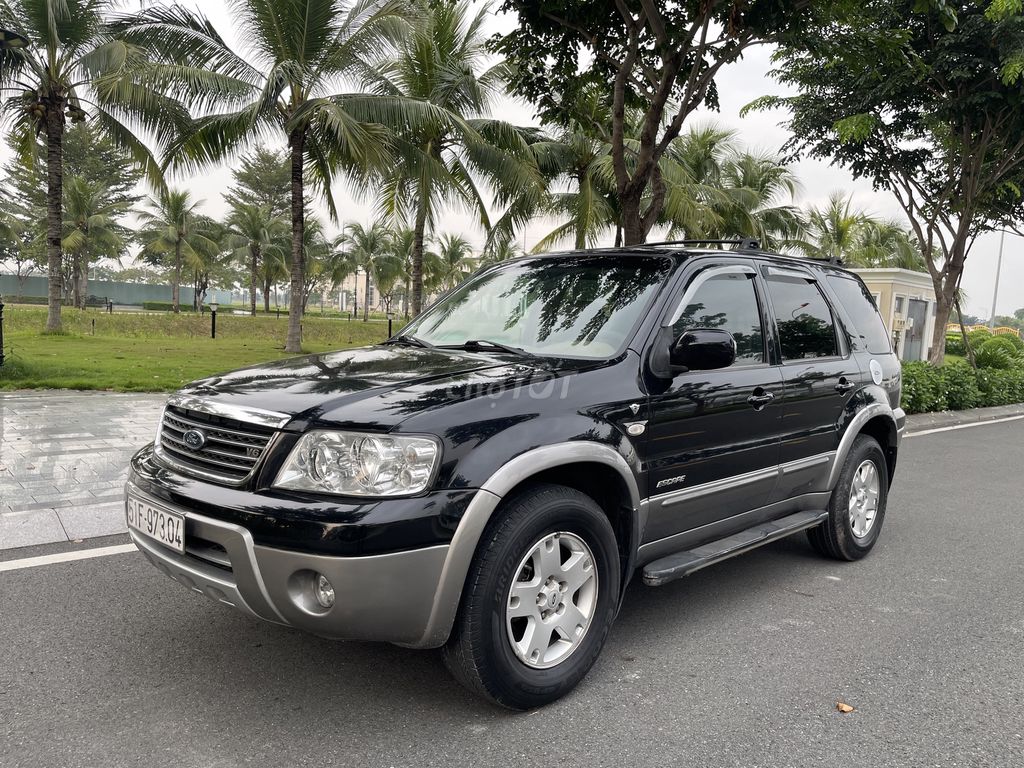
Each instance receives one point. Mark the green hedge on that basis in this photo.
(955, 386)
(165, 306)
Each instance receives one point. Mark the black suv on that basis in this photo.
(489, 479)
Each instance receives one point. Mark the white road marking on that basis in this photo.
(66, 557)
(964, 426)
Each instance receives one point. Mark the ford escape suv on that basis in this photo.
(489, 479)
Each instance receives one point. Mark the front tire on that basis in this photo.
(539, 600)
(857, 506)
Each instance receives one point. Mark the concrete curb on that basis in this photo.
(919, 422)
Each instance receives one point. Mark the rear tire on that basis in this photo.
(856, 509)
(546, 566)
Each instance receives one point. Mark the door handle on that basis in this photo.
(844, 385)
(760, 399)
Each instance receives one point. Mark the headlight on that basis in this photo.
(359, 464)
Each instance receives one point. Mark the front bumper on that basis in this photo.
(397, 597)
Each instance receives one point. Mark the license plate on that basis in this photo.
(166, 527)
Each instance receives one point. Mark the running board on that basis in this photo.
(684, 563)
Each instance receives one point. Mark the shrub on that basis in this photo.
(978, 337)
(955, 345)
(998, 352)
(922, 388)
(1014, 339)
(1001, 387)
(961, 386)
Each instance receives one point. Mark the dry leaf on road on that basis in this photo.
(844, 708)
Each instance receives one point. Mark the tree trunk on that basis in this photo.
(963, 334)
(83, 280)
(419, 233)
(76, 281)
(945, 292)
(253, 277)
(366, 297)
(176, 279)
(294, 341)
(266, 295)
(405, 299)
(54, 210)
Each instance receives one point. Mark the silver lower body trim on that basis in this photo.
(395, 597)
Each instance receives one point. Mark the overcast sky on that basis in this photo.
(738, 85)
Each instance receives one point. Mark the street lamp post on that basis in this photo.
(213, 318)
(1, 330)
(995, 291)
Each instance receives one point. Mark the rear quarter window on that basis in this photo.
(867, 323)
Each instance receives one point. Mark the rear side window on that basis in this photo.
(804, 320)
(858, 303)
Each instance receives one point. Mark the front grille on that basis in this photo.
(230, 452)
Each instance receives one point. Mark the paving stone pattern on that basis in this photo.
(64, 459)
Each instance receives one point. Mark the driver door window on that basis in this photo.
(727, 301)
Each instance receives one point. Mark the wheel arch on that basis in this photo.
(878, 421)
(574, 464)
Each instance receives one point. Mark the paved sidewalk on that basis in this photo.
(63, 462)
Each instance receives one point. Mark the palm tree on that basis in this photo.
(500, 248)
(371, 251)
(255, 236)
(90, 230)
(172, 229)
(450, 264)
(441, 64)
(838, 230)
(299, 52)
(73, 69)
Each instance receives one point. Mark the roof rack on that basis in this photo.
(835, 259)
(744, 244)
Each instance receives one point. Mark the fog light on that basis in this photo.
(323, 590)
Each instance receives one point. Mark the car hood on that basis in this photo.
(369, 387)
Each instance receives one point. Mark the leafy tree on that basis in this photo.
(1019, 314)
(262, 179)
(175, 235)
(90, 157)
(91, 230)
(72, 70)
(255, 234)
(441, 64)
(297, 53)
(660, 59)
(925, 102)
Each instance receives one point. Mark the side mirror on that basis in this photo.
(703, 349)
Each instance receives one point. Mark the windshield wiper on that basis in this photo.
(409, 341)
(481, 345)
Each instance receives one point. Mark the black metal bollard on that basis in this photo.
(213, 323)
(1, 331)
(389, 326)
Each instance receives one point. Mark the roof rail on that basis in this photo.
(743, 244)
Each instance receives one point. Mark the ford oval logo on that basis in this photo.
(194, 439)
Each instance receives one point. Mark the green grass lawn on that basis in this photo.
(154, 352)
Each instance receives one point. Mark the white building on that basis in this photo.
(906, 300)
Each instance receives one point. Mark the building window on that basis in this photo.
(900, 302)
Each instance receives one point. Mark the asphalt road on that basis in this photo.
(105, 663)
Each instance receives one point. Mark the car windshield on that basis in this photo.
(554, 307)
